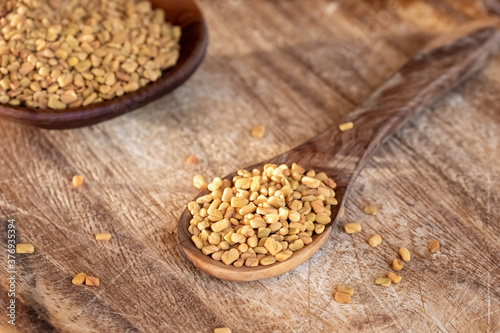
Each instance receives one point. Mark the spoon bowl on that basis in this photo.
(193, 44)
(341, 155)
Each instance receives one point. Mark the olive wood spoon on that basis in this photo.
(426, 77)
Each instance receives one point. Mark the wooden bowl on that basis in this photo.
(193, 44)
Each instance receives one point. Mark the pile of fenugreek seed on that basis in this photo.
(261, 217)
(67, 53)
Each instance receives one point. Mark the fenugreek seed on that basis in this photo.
(296, 245)
(191, 159)
(221, 225)
(346, 126)
(283, 255)
(352, 228)
(394, 277)
(405, 254)
(64, 79)
(311, 182)
(73, 61)
(375, 240)
(342, 298)
(90, 99)
(103, 237)
(345, 290)
(55, 103)
(272, 246)
(197, 242)
(199, 182)
(208, 250)
(238, 238)
(433, 246)
(370, 210)
(222, 330)
(79, 279)
(258, 131)
(319, 228)
(230, 256)
(322, 218)
(83, 66)
(386, 282)
(238, 202)
(252, 262)
(330, 183)
(25, 248)
(77, 180)
(317, 206)
(397, 265)
(92, 281)
(268, 260)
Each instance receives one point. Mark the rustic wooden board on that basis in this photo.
(297, 67)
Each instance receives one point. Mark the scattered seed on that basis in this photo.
(342, 298)
(25, 248)
(397, 265)
(375, 240)
(352, 228)
(344, 289)
(346, 126)
(222, 330)
(92, 281)
(258, 131)
(77, 180)
(394, 277)
(386, 282)
(191, 159)
(103, 237)
(433, 246)
(79, 279)
(370, 210)
(405, 254)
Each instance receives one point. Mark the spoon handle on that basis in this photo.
(427, 76)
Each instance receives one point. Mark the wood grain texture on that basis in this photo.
(298, 67)
(442, 65)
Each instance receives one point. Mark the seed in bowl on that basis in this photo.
(62, 54)
(261, 217)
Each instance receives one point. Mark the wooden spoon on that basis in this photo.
(342, 155)
(194, 41)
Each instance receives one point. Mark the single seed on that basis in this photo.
(370, 210)
(25, 248)
(258, 131)
(375, 240)
(77, 180)
(352, 228)
(191, 159)
(342, 298)
(222, 330)
(405, 254)
(386, 282)
(394, 277)
(346, 290)
(79, 279)
(230, 256)
(397, 265)
(92, 281)
(103, 237)
(199, 182)
(346, 126)
(433, 246)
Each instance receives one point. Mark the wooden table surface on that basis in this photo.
(297, 67)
